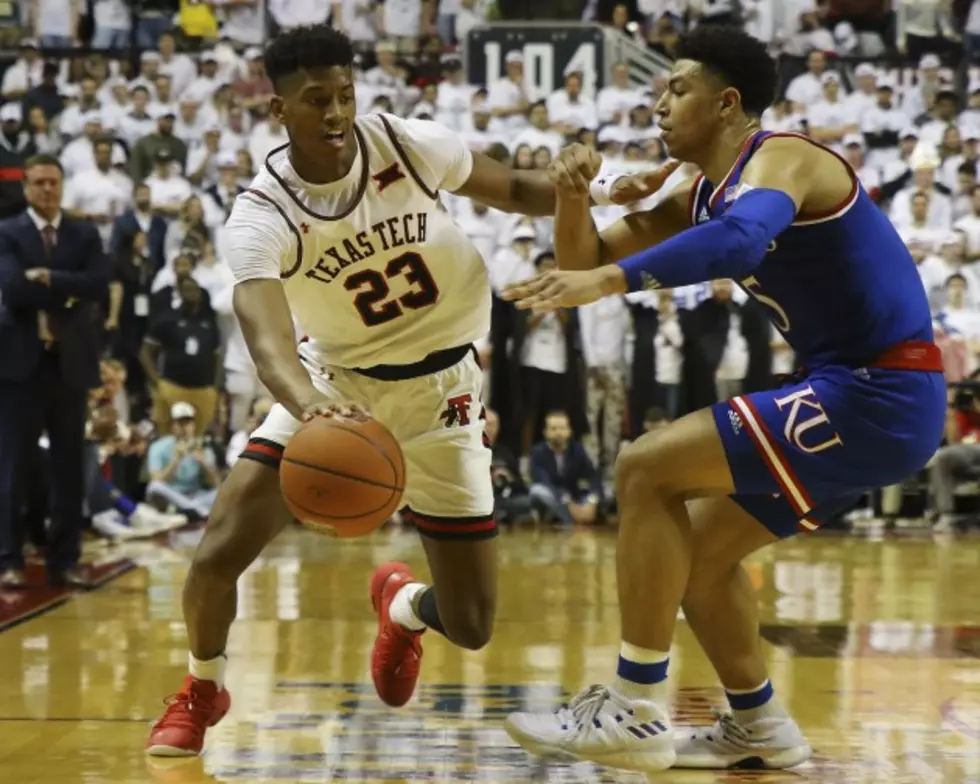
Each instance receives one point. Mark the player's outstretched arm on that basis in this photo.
(533, 192)
(782, 176)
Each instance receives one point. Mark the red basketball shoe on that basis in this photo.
(180, 731)
(397, 653)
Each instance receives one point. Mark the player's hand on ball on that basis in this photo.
(574, 169)
(636, 187)
(322, 407)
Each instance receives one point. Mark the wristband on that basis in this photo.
(600, 189)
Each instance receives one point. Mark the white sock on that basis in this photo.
(770, 709)
(210, 670)
(401, 611)
(629, 657)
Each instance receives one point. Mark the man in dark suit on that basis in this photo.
(565, 485)
(139, 218)
(52, 273)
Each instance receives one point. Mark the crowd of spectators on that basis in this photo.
(156, 148)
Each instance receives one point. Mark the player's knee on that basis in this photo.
(470, 624)
(636, 467)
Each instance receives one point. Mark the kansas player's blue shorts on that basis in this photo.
(803, 453)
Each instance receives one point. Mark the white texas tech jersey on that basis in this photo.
(374, 268)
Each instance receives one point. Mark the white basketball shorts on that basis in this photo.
(436, 417)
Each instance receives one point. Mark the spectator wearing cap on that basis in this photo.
(99, 195)
(829, 119)
(870, 177)
(782, 118)
(918, 236)
(805, 90)
(72, 120)
(149, 70)
(137, 121)
(182, 466)
(510, 96)
(882, 126)
(254, 89)
(929, 80)
(46, 94)
(950, 259)
(386, 78)
(168, 190)
(865, 96)
(455, 95)
(923, 27)
(218, 199)
(265, 136)
(79, 154)
(113, 21)
(26, 72)
(206, 83)
(145, 155)
(570, 109)
(924, 163)
(16, 147)
(180, 357)
(479, 137)
(190, 123)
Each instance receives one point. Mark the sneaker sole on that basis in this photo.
(639, 761)
(776, 760)
(170, 751)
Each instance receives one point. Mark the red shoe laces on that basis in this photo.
(187, 709)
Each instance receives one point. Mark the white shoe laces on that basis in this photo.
(725, 728)
(585, 708)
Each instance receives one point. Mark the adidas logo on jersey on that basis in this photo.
(703, 215)
(736, 421)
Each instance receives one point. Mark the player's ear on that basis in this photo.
(277, 106)
(731, 99)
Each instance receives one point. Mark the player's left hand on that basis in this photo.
(636, 187)
(39, 275)
(558, 289)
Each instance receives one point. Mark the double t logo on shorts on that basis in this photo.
(457, 411)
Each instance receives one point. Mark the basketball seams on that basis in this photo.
(343, 475)
(379, 447)
(322, 516)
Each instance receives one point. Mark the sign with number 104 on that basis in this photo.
(549, 53)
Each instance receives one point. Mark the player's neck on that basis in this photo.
(324, 169)
(721, 156)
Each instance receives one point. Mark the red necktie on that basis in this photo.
(50, 236)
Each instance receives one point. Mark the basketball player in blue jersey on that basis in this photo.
(787, 219)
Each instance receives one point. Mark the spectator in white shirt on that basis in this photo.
(510, 97)
(25, 73)
(570, 110)
(604, 326)
(882, 126)
(202, 169)
(805, 89)
(357, 19)
(387, 78)
(865, 96)
(615, 100)
(869, 176)
(265, 137)
(781, 117)
(149, 70)
(936, 269)
(245, 21)
(297, 13)
(920, 238)
(113, 20)
(829, 119)
(189, 125)
(940, 217)
(137, 122)
(942, 116)
(168, 191)
(970, 226)
(404, 22)
(539, 133)
(55, 22)
(218, 199)
(960, 319)
(163, 96)
(71, 122)
(668, 346)
(205, 85)
(100, 194)
(179, 67)
(921, 25)
(916, 99)
(455, 95)
(79, 154)
(479, 137)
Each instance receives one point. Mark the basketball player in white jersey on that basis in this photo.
(343, 229)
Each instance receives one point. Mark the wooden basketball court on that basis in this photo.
(873, 645)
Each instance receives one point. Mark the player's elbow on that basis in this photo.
(746, 243)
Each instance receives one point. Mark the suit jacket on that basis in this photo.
(578, 476)
(79, 280)
(126, 227)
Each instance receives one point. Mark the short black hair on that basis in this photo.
(309, 46)
(737, 58)
(44, 159)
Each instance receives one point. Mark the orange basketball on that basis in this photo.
(342, 476)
